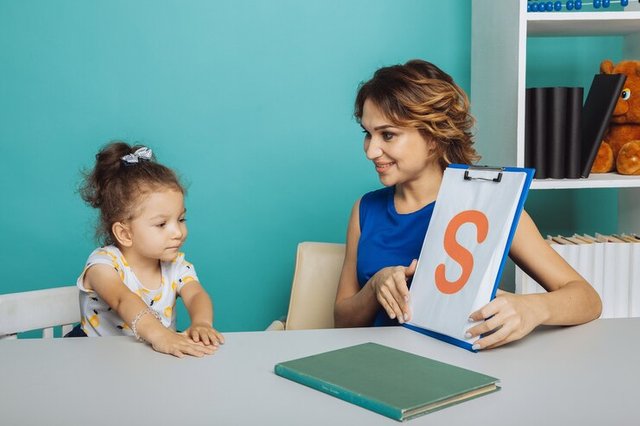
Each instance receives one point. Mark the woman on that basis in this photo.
(416, 121)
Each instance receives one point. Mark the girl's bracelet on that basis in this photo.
(142, 313)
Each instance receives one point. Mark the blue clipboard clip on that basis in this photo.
(497, 179)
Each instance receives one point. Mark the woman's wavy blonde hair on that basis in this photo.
(418, 94)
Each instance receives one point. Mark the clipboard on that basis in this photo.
(465, 248)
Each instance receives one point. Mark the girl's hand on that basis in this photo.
(179, 345)
(391, 290)
(204, 333)
(508, 317)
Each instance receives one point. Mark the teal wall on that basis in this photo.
(251, 101)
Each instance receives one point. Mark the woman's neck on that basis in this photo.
(413, 195)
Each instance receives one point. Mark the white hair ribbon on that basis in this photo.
(143, 153)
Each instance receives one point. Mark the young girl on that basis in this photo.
(129, 286)
(416, 121)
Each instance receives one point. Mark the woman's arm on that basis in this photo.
(200, 308)
(570, 299)
(104, 280)
(357, 307)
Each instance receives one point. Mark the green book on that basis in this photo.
(389, 381)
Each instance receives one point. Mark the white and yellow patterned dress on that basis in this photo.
(98, 319)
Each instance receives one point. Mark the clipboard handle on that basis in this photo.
(497, 179)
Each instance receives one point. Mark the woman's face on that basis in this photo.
(399, 154)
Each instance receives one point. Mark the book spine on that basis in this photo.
(574, 132)
(572, 256)
(528, 128)
(622, 266)
(538, 132)
(598, 269)
(634, 281)
(522, 282)
(556, 131)
(609, 289)
(596, 114)
(339, 392)
(586, 261)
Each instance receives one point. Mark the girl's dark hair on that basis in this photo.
(115, 186)
(418, 94)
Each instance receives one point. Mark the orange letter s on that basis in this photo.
(457, 252)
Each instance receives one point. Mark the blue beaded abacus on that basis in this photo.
(557, 6)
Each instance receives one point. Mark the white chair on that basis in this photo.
(313, 291)
(39, 309)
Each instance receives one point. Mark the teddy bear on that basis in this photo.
(620, 148)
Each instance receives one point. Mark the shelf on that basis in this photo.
(501, 30)
(548, 24)
(599, 180)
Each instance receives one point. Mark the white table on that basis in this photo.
(556, 376)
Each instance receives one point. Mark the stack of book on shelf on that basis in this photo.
(562, 136)
(554, 131)
(610, 263)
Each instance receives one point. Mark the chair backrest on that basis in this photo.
(39, 309)
(315, 281)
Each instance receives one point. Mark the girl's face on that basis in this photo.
(159, 228)
(399, 154)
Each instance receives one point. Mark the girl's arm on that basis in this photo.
(200, 308)
(104, 280)
(357, 307)
(570, 299)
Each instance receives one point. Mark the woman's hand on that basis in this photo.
(204, 333)
(180, 344)
(390, 287)
(508, 317)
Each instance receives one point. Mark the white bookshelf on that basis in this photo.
(500, 29)
(599, 180)
(582, 23)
